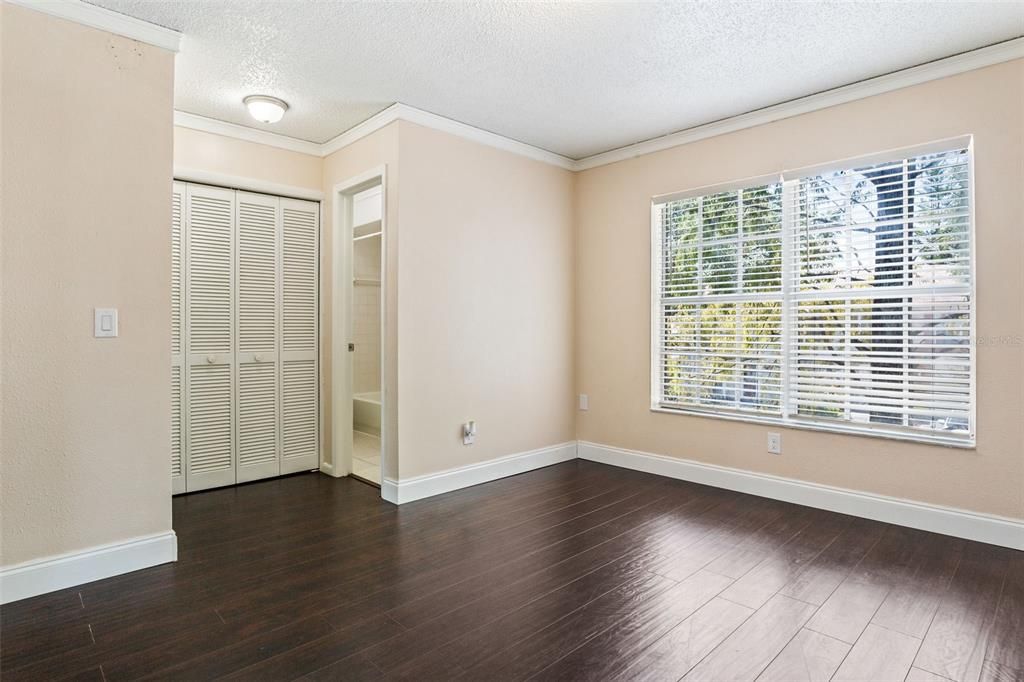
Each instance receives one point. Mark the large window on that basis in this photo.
(838, 299)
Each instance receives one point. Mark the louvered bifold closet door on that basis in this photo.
(209, 244)
(257, 292)
(299, 395)
(177, 339)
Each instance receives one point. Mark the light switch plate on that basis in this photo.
(584, 402)
(105, 323)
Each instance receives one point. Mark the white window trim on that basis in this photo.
(967, 441)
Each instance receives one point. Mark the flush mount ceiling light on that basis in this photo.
(266, 109)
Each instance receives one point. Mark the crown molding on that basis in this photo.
(395, 112)
(184, 119)
(361, 130)
(484, 137)
(404, 112)
(106, 20)
(950, 66)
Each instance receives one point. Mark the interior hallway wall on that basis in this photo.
(486, 297)
(85, 433)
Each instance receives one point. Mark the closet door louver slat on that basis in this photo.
(210, 454)
(257, 296)
(300, 412)
(177, 335)
(209, 315)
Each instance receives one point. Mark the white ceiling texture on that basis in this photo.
(575, 78)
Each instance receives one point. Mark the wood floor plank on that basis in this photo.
(672, 656)
(1006, 644)
(850, 608)
(753, 645)
(647, 541)
(354, 668)
(959, 635)
(918, 675)
(879, 654)
(910, 605)
(747, 554)
(533, 654)
(809, 657)
(729, 531)
(35, 640)
(819, 579)
(365, 573)
(991, 671)
(574, 571)
(783, 563)
(853, 604)
(590, 536)
(638, 629)
(242, 654)
(317, 654)
(461, 654)
(451, 624)
(180, 588)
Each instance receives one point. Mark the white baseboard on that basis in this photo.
(389, 490)
(995, 530)
(411, 489)
(67, 570)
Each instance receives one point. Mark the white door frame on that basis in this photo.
(341, 322)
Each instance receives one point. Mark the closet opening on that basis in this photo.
(245, 360)
(358, 329)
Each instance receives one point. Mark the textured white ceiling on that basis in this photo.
(576, 78)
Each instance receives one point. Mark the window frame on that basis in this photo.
(789, 180)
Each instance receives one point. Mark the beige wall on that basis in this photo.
(199, 150)
(613, 311)
(485, 295)
(374, 151)
(86, 172)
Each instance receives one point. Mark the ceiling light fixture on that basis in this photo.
(266, 109)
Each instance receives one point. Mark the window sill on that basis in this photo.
(961, 442)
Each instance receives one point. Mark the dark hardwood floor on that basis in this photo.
(579, 571)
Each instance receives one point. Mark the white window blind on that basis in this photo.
(838, 299)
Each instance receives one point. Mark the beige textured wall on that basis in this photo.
(485, 295)
(376, 150)
(199, 150)
(613, 311)
(86, 172)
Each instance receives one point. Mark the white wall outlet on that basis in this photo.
(775, 443)
(584, 402)
(105, 322)
(469, 433)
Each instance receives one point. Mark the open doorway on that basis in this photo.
(358, 328)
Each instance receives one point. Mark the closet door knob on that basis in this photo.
(258, 357)
(211, 359)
